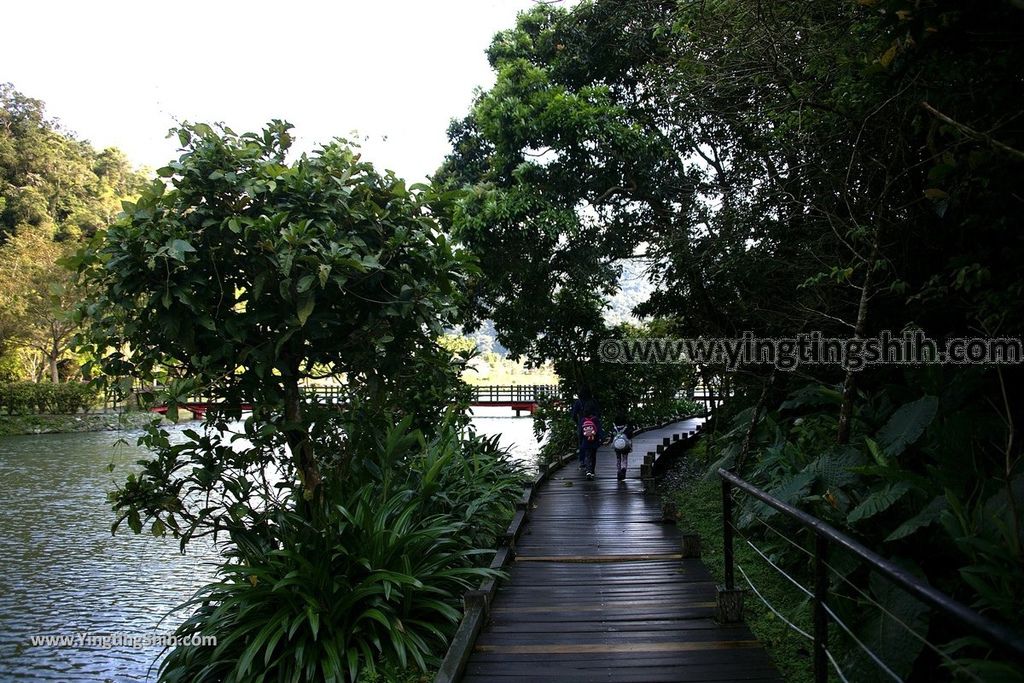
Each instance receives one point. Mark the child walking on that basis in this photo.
(622, 442)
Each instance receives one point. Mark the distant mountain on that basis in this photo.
(487, 339)
(634, 289)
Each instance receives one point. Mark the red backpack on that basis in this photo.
(589, 428)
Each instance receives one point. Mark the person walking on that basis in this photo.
(622, 442)
(576, 412)
(590, 438)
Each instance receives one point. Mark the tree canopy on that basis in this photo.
(780, 168)
(245, 276)
(55, 190)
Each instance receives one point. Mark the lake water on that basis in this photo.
(62, 573)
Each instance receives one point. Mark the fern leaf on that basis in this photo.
(925, 517)
(907, 425)
(879, 501)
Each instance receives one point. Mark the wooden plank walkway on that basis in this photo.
(599, 591)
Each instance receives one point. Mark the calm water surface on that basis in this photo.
(63, 573)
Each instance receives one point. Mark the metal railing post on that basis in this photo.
(820, 615)
(730, 576)
(1006, 639)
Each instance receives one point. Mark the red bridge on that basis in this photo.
(197, 407)
(519, 397)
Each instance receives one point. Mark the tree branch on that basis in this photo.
(972, 133)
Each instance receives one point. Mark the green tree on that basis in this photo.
(54, 191)
(351, 528)
(47, 176)
(38, 295)
(845, 168)
(245, 276)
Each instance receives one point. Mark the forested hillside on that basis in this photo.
(55, 190)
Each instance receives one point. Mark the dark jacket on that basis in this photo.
(577, 411)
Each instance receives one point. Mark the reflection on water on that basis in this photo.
(516, 432)
(63, 573)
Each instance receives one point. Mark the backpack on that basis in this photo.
(620, 441)
(589, 428)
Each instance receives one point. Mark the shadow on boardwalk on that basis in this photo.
(599, 591)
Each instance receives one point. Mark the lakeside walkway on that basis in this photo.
(599, 591)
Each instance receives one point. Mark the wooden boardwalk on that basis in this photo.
(598, 591)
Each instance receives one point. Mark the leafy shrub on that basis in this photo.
(470, 480)
(552, 418)
(43, 396)
(21, 398)
(71, 397)
(369, 574)
(378, 579)
(899, 487)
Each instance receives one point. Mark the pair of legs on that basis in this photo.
(588, 457)
(622, 462)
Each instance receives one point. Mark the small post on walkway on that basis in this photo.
(730, 576)
(669, 512)
(820, 614)
(690, 545)
(647, 472)
(729, 599)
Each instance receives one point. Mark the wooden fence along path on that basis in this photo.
(600, 588)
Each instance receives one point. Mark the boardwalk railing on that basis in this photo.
(1003, 639)
(481, 394)
(515, 393)
(516, 396)
(476, 603)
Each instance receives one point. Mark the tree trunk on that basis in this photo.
(850, 383)
(53, 355)
(298, 438)
(748, 438)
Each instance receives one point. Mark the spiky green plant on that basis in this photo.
(376, 578)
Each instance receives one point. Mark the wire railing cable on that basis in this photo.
(784, 537)
(868, 651)
(835, 665)
(1005, 638)
(787, 622)
(864, 595)
(776, 567)
(771, 607)
(934, 648)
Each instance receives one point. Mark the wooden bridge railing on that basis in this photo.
(482, 395)
(515, 393)
(529, 393)
(1002, 638)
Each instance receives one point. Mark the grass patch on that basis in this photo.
(700, 509)
(388, 672)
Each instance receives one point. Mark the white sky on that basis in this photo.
(120, 73)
